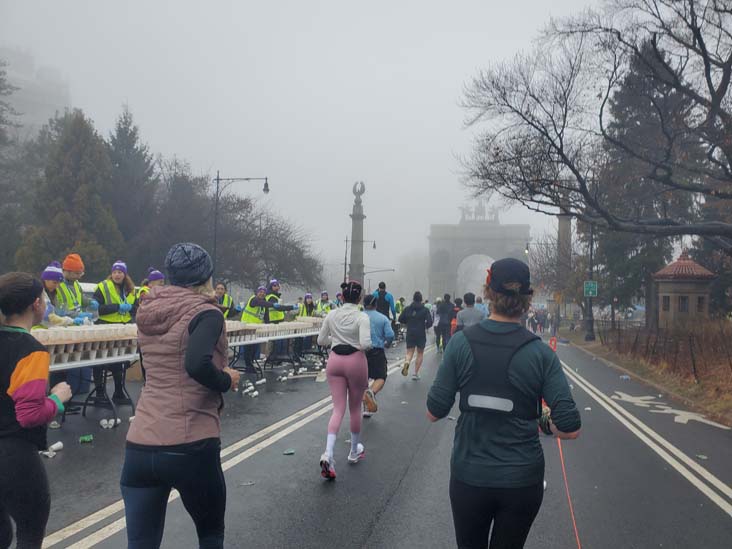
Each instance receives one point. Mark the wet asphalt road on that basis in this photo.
(643, 474)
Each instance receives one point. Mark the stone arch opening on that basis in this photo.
(471, 274)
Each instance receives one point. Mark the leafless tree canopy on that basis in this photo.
(545, 138)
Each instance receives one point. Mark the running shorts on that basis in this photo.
(416, 340)
(376, 359)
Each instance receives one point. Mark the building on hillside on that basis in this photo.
(683, 292)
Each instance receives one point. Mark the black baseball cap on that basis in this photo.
(507, 271)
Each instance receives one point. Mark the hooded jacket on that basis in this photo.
(175, 408)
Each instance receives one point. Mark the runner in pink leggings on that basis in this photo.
(348, 332)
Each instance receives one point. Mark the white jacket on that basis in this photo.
(346, 326)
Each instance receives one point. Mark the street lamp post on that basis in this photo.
(376, 271)
(218, 181)
(590, 325)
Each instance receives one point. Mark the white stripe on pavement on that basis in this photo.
(658, 444)
(119, 525)
(118, 506)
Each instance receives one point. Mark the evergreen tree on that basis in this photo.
(131, 196)
(70, 212)
(645, 114)
(6, 110)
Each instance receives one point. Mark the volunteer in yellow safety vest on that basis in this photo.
(255, 308)
(276, 313)
(224, 300)
(324, 306)
(70, 300)
(307, 307)
(52, 277)
(117, 305)
(154, 278)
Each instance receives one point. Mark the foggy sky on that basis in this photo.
(312, 94)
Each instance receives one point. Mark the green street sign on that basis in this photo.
(590, 288)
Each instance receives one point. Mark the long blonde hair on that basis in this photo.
(205, 289)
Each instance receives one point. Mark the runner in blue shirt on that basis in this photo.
(381, 336)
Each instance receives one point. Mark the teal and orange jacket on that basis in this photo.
(25, 408)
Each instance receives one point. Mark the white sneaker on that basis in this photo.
(327, 469)
(416, 377)
(358, 456)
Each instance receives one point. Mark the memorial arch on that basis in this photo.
(450, 245)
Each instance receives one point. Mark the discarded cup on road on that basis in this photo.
(104, 423)
(54, 425)
(86, 439)
(56, 447)
(48, 454)
(261, 382)
(625, 377)
(289, 452)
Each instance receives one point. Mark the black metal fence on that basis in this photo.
(700, 350)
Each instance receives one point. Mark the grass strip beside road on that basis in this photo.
(709, 398)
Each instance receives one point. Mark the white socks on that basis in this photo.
(330, 444)
(355, 439)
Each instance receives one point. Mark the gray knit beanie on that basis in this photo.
(188, 264)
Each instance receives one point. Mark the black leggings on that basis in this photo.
(511, 511)
(148, 475)
(24, 494)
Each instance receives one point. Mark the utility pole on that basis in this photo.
(590, 327)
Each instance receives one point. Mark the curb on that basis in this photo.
(724, 420)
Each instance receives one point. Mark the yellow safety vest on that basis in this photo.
(69, 299)
(252, 315)
(323, 308)
(111, 296)
(275, 316)
(142, 290)
(226, 301)
(302, 311)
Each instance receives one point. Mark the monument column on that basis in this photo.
(356, 268)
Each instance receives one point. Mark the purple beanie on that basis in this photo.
(153, 274)
(53, 272)
(120, 266)
(262, 289)
(308, 295)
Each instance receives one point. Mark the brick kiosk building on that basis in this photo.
(683, 292)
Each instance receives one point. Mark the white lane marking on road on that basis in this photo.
(680, 416)
(118, 506)
(655, 441)
(119, 525)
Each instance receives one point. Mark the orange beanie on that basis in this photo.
(73, 263)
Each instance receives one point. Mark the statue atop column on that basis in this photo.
(356, 269)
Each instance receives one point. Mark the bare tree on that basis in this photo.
(547, 141)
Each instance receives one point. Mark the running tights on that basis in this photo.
(348, 378)
(511, 511)
(24, 494)
(149, 475)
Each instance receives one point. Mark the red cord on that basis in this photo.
(569, 498)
